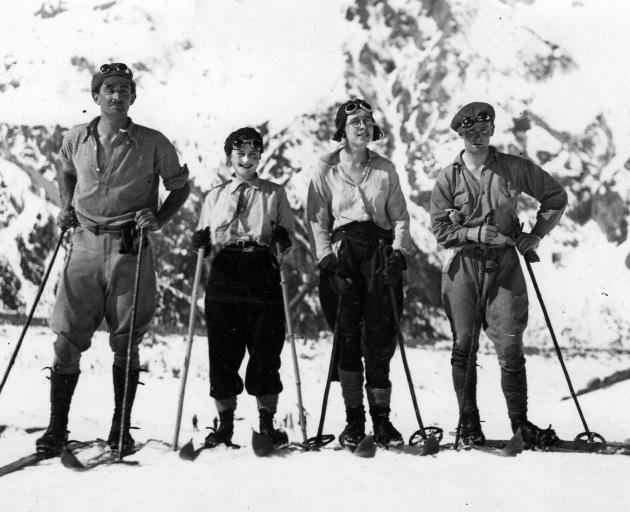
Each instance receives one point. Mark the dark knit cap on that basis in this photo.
(472, 110)
(246, 133)
(342, 116)
(117, 69)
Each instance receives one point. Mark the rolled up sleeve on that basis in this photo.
(167, 165)
(284, 215)
(319, 217)
(548, 192)
(447, 234)
(398, 215)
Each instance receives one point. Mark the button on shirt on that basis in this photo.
(334, 200)
(263, 205)
(110, 195)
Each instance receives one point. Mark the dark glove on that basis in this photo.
(280, 237)
(337, 277)
(67, 219)
(201, 240)
(394, 267)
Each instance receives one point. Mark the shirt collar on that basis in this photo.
(492, 154)
(333, 158)
(236, 181)
(130, 130)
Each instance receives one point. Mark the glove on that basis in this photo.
(280, 237)
(201, 240)
(394, 267)
(335, 273)
(67, 219)
(526, 242)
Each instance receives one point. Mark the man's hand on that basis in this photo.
(490, 235)
(146, 219)
(336, 275)
(394, 267)
(526, 242)
(67, 219)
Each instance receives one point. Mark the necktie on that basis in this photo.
(241, 203)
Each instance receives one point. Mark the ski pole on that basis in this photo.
(320, 439)
(474, 345)
(529, 257)
(290, 334)
(32, 312)
(435, 432)
(132, 325)
(191, 333)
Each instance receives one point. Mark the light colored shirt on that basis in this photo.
(264, 205)
(503, 178)
(334, 200)
(129, 182)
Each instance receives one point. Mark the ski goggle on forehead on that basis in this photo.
(115, 67)
(355, 104)
(481, 117)
(255, 143)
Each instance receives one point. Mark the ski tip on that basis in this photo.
(187, 452)
(69, 460)
(366, 448)
(431, 446)
(261, 444)
(514, 446)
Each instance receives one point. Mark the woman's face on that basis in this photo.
(245, 160)
(359, 128)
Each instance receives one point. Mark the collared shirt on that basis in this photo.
(264, 205)
(503, 178)
(334, 200)
(110, 195)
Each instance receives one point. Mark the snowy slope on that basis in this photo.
(236, 480)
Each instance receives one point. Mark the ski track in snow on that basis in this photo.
(236, 480)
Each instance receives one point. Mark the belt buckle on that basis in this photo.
(248, 249)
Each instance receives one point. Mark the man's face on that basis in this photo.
(245, 160)
(115, 96)
(359, 128)
(477, 137)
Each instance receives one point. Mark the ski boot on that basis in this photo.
(223, 434)
(533, 436)
(277, 436)
(113, 439)
(385, 434)
(471, 432)
(51, 443)
(354, 432)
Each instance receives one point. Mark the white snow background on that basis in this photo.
(254, 61)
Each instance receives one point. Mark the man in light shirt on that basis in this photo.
(108, 181)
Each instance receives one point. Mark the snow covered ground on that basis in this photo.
(236, 480)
